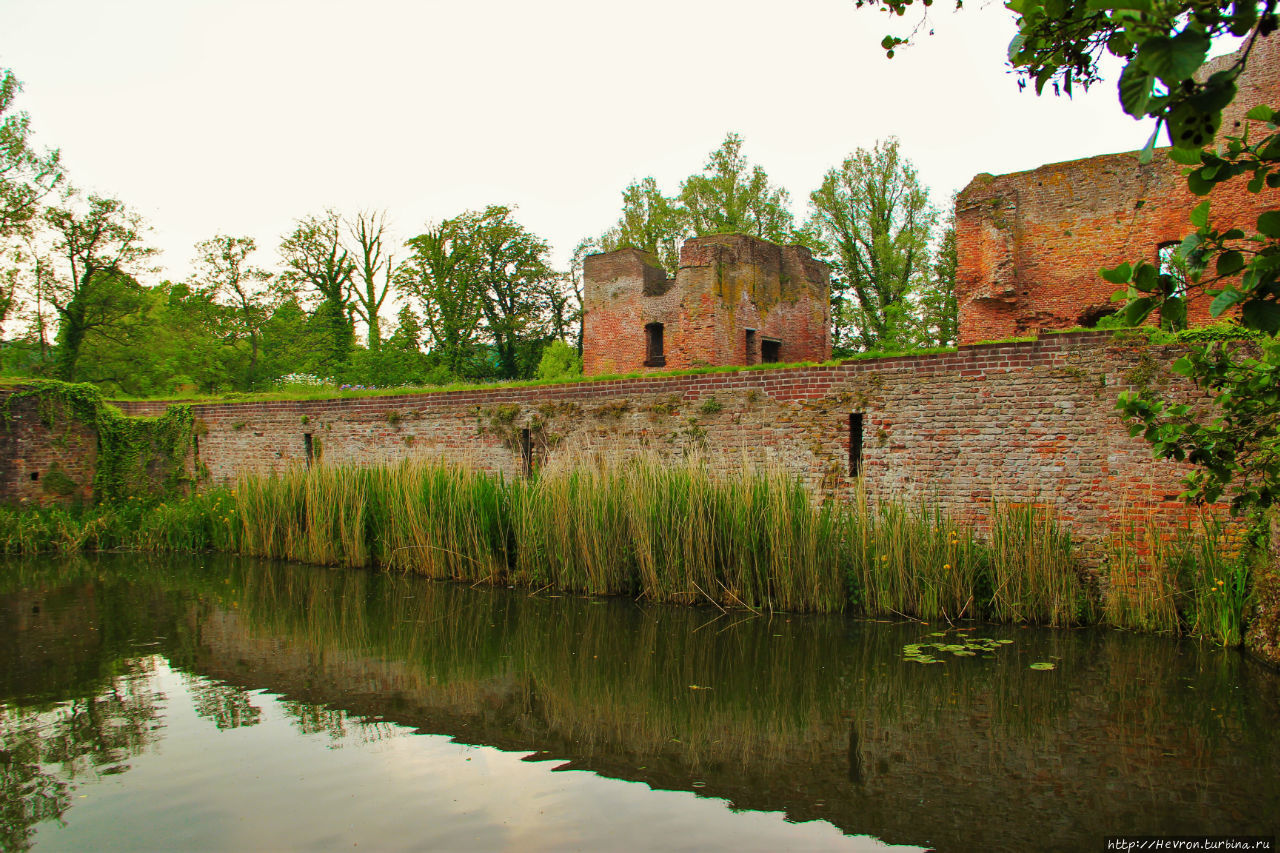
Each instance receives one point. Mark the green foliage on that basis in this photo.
(874, 220)
(559, 362)
(137, 457)
(26, 175)
(733, 196)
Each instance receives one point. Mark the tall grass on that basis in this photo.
(1196, 582)
(692, 533)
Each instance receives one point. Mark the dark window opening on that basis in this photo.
(855, 444)
(35, 475)
(770, 351)
(308, 449)
(526, 452)
(653, 346)
(195, 447)
(752, 356)
(1172, 264)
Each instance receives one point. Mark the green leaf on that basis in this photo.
(1225, 300)
(1183, 367)
(1257, 314)
(1117, 275)
(1137, 310)
(1135, 89)
(1230, 263)
(1185, 156)
(1173, 313)
(1145, 277)
(1174, 59)
(1261, 112)
(1200, 214)
(1196, 183)
(1269, 223)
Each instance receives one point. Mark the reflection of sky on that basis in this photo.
(269, 787)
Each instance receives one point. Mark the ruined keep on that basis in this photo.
(1030, 244)
(735, 300)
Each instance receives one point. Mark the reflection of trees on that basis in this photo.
(44, 751)
(228, 706)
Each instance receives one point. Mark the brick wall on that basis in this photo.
(726, 284)
(1030, 244)
(1029, 421)
(43, 462)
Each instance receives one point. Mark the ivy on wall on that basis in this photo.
(138, 457)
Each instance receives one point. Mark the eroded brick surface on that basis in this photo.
(726, 285)
(1031, 421)
(1031, 244)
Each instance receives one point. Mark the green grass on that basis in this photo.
(751, 538)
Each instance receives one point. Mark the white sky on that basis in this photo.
(240, 116)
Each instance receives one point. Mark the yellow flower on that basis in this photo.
(946, 566)
(884, 558)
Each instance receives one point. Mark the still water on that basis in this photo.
(232, 704)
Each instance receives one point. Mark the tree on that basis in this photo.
(938, 307)
(26, 175)
(94, 291)
(318, 264)
(559, 361)
(1161, 47)
(651, 222)
(224, 274)
(511, 271)
(731, 196)
(440, 274)
(374, 270)
(875, 221)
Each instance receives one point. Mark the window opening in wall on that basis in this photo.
(195, 448)
(751, 347)
(770, 350)
(653, 346)
(526, 452)
(308, 449)
(855, 444)
(35, 475)
(1172, 264)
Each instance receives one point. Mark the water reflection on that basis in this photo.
(820, 718)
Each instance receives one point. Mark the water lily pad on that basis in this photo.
(1044, 666)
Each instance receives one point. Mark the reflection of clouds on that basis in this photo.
(271, 786)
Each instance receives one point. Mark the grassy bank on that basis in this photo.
(751, 539)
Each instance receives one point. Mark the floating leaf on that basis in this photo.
(1043, 666)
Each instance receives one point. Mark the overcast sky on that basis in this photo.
(240, 116)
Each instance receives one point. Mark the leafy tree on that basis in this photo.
(224, 275)
(92, 291)
(440, 274)
(317, 264)
(875, 221)
(26, 175)
(1236, 444)
(559, 361)
(373, 267)
(511, 271)
(938, 307)
(651, 222)
(289, 343)
(732, 196)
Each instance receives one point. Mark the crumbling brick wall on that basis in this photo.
(1030, 244)
(727, 284)
(45, 456)
(1031, 421)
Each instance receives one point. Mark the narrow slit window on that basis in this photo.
(526, 452)
(752, 355)
(308, 449)
(653, 346)
(770, 350)
(855, 444)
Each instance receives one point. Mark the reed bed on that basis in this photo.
(1195, 582)
(751, 538)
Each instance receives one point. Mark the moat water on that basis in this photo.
(232, 704)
